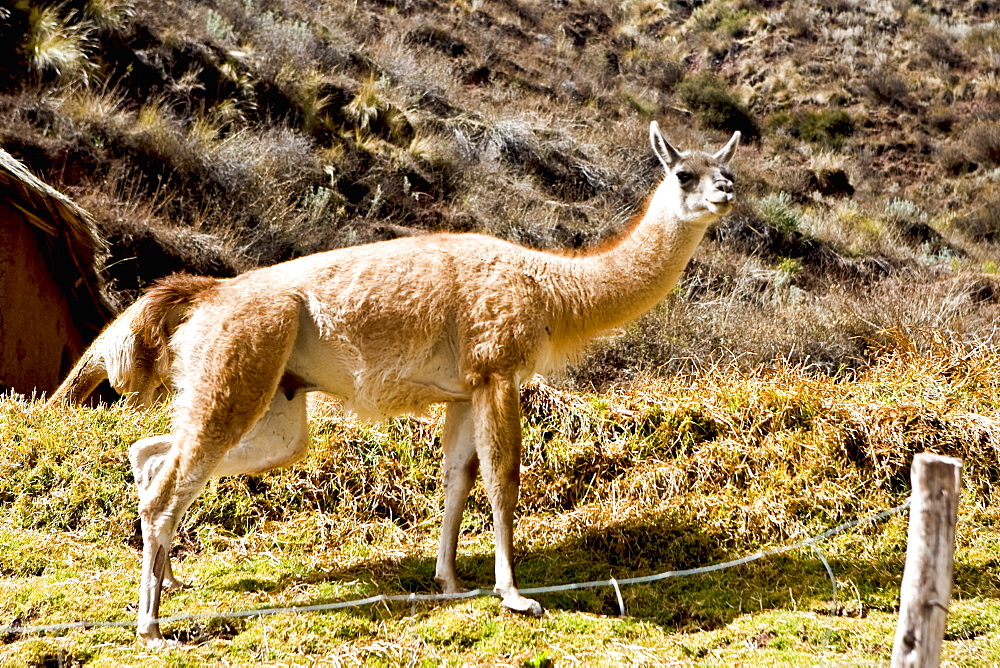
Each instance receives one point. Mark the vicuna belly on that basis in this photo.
(380, 378)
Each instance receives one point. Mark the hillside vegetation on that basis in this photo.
(841, 320)
(216, 136)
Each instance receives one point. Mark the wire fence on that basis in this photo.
(614, 583)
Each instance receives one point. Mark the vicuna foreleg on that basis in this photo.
(459, 469)
(497, 427)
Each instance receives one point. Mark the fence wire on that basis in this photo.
(615, 583)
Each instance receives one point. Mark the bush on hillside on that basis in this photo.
(887, 87)
(983, 140)
(982, 225)
(715, 107)
(828, 127)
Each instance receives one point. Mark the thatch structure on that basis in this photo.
(52, 302)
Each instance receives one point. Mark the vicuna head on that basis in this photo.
(701, 185)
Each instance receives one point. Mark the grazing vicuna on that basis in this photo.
(390, 328)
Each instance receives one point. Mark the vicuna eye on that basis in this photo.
(684, 177)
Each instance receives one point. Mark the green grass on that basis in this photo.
(665, 475)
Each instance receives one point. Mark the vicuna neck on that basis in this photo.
(629, 275)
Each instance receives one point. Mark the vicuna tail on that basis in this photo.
(166, 305)
(82, 380)
(132, 352)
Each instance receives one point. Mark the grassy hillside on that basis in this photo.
(841, 320)
(668, 475)
(224, 134)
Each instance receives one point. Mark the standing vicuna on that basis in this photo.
(391, 328)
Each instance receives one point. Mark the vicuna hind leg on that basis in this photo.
(230, 376)
(279, 438)
(178, 479)
(497, 419)
(147, 456)
(461, 463)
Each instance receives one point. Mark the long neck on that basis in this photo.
(626, 278)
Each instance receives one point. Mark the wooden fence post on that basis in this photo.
(930, 550)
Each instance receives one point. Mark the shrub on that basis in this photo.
(778, 121)
(715, 107)
(438, 39)
(983, 225)
(735, 25)
(885, 86)
(983, 39)
(801, 22)
(828, 127)
(560, 166)
(777, 209)
(217, 26)
(286, 40)
(910, 219)
(828, 176)
(730, 19)
(984, 142)
(903, 211)
(957, 160)
(941, 47)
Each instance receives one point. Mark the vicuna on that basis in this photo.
(390, 328)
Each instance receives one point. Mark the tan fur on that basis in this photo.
(392, 328)
(167, 304)
(131, 353)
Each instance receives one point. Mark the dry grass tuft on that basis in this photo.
(57, 45)
(943, 407)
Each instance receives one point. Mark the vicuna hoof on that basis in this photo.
(173, 584)
(450, 586)
(523, 606)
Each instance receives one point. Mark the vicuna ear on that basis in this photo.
(729, 150)
(667, 154)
